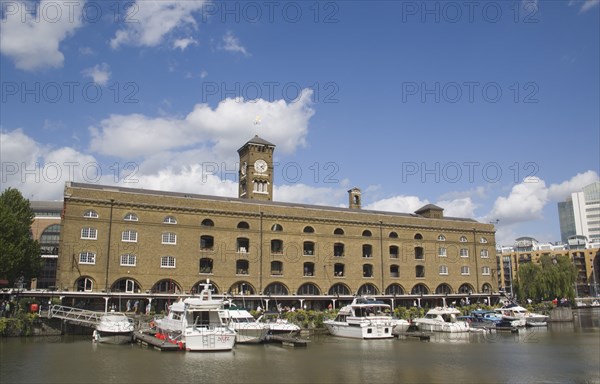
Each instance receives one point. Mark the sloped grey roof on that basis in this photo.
(428, 207)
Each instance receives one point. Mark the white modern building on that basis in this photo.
(580, 214)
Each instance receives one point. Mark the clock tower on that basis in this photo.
(256, 170)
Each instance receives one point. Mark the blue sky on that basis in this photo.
(489, 109)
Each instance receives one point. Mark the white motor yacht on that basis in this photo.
(197, 323)
(114, 328)
(247, 328)
(278, 325)
(520, 317)
(365, 318)
(441, 319)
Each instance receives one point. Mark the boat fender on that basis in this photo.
(180, 344)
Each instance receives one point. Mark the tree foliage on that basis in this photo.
(552, 277)
(20, 255)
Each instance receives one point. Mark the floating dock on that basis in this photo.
(287, 340)
(151, 341)
(414, 334)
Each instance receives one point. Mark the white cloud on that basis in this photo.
(100, 73)
(222, 128)
(559, 192)
(401, 203)
(524, 203)
(184, 43)
(33, 43)
(149, 22)
(588, 4)
(232, 44)
(463, 207)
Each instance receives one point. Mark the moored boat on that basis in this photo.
(247, 328)
(114, 328)
(277, 325)
(441, 319)
(197, 324)
(520, 317)
(365, 318)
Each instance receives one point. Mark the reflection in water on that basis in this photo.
(563, 352)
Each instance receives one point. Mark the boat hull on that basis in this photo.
(113, 338)
(360, 331)
(250, 334)
(457, 327)
(210, 340)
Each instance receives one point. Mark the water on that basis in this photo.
(561, 353)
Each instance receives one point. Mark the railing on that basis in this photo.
(81, 316)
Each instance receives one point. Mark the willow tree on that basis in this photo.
(553, 277)
(19, 252)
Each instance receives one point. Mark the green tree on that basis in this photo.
(20, 255)
(552, 277)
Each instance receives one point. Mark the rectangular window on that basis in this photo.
(484, 253)
(464, 252)
(87, 258)
(169, 238)
(465, 271)
(443, 270)
(442, 252)
(129, 236)
(485, 270)
(89, 233)
(167, 262)
(128, 260)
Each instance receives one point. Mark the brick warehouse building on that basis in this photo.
(136, 241)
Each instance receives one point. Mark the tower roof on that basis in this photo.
(257, 140)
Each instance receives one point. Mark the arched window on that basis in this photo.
(309, 289)
(463, 239)
(418, 236)
(276, 289)
(486, 288)
(443, 289)
(483, 240)
(130, 217)
(49, 240)
(170, 220)
(84, 284)
(166, 286)
(339, 289)
(465, 288)
(338, 231)
(276, 228)
(394, 289)
(367, 233)
(367, 289)
(90, 214)
(208, 223)
(441, 238)
(420, 289)
(393, 235)
(308, 229)
(243, 225)
(125, 285)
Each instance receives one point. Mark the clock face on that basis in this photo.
(243, 168)
(260, 165)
